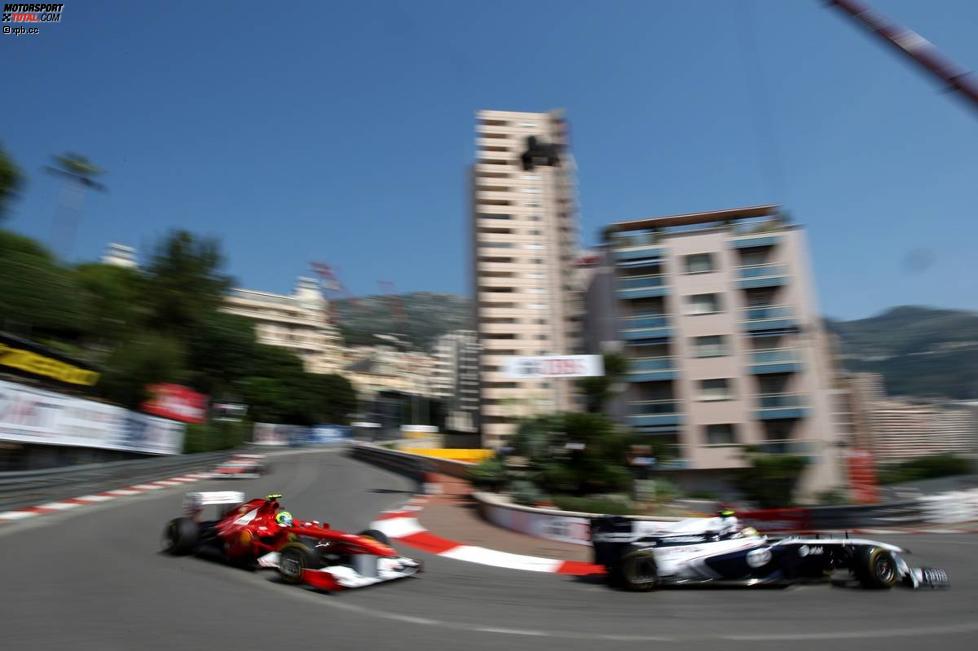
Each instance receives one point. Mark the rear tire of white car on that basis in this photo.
(637, 571)
(180, 536)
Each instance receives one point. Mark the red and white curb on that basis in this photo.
(401, 525)
(75, 502)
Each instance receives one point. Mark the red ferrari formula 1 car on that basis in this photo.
(259, 533)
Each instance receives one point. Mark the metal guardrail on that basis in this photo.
(413, 466)
(33, 487)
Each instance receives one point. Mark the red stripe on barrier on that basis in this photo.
(579, 568)
(428, 542)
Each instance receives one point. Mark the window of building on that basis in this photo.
(717, 389)
(497, 245)
(710, 346)
(723, 434)
(489, 215)
(703, 304)
(699, 263)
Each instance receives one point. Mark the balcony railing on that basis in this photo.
(775, 356)
(781, 401)
(761, 270)
(639, 365)
(655, 407)
(644, 321)
(641, 282)
(787, 446)
(768, 317)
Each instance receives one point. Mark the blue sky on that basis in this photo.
(341, 131)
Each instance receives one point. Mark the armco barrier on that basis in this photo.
(30, 487)
(950, 508)
(411, 465)
(549, 524)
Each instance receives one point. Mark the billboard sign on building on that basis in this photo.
(529, 368)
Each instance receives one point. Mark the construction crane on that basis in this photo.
(914, 46)
(331, 287)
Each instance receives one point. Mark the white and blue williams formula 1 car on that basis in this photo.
(642, 555)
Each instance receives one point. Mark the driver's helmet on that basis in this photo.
(284, 519)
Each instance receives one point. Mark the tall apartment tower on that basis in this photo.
(525, 244)
(716, 314)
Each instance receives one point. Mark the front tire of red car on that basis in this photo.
(180, 536)
(379, 536)
(293, 559)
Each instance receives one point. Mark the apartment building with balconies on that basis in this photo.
(716, 314)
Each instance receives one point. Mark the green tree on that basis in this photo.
(145, 359)
(221, 351)
(38, 298)
(574, 453)
(11, 181)
(598, 390)
(184, 282)
(113, 298)
(770, 479)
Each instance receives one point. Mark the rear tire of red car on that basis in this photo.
(379, 536)
(180, 536)
(293, 559)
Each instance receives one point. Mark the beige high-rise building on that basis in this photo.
(525, 244)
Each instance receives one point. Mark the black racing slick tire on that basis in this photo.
(637, 571)
(875, 568)
(293, 559)
(379, 536)
(180, 536)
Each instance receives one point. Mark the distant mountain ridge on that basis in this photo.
(421, 317)
(920, 351)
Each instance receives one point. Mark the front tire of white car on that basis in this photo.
(637, 571)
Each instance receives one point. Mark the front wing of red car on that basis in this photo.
(364, 570)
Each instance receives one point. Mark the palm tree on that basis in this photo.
(79, 174)
(11, 180)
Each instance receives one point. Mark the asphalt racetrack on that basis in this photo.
(93, 579)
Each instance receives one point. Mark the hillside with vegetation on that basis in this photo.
(420, 317)
(920, 351)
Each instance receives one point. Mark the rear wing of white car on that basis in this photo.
(194, 502)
